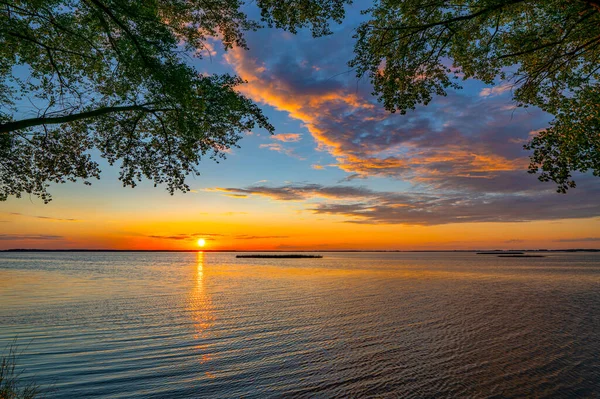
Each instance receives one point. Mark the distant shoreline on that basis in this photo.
(308, 250)
(279, 256)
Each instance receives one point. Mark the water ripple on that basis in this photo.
(132, 325)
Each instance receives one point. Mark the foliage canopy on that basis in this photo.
(111, 76)
(549, 51)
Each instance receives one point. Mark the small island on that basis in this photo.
(283, 256)
(501, 253)
(521, 256)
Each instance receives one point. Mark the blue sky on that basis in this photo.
(338, 162)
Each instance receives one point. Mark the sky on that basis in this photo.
(339, 173)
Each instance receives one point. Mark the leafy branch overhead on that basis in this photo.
(111, 76)
(549, 51)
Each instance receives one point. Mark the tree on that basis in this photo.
(549, 51)
(111, 76)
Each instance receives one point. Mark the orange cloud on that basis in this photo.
(363, 138)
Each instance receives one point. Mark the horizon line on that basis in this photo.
(296, 250)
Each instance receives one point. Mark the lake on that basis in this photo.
(208, 325)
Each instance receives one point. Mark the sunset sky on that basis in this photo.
(340, 172)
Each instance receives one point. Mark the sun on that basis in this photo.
(201, 242)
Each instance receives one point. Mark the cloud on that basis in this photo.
(18, 237)
(214, 236)
(273, 147)
(496, 90)
(187, 236)
(280, 148)
(584, 239)
(301, 191)
(287, 137)
(57, 219)
(363, 205)
(456, 141)
(461, 158)
(351, 177)
(44, 217)
(250, 237)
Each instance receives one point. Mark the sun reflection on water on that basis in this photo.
(200, 301)
(201, 311)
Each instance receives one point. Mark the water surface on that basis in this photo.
(156, 325)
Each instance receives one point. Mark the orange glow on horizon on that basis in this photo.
(253, 225)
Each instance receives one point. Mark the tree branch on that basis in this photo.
(126, 29)
(25, 123)
(446, 22)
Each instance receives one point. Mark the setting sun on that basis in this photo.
(201, 242)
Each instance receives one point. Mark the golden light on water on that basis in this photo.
(200, 307)
(201, 242)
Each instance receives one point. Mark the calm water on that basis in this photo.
(167, 325)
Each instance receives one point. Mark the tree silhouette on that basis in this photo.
(111, 76)
(548, 51)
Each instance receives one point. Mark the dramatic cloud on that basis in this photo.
(462, 155)
(18, 237)
(363, 205)
(460, 141)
